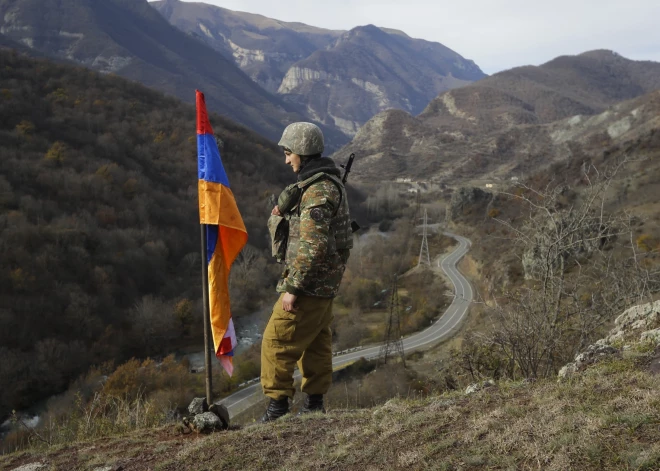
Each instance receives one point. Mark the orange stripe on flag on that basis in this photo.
(217, 206)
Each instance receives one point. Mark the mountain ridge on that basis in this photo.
(131, 39)
(263, 47)
(367, 70)
(500, 118)
(340, 78)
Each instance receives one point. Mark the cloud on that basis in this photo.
(495, 34)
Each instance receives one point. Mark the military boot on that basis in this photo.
(313, 403)
(276, 409)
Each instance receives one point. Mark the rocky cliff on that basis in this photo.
(638, 324)
(262, 47)
(368, 70)
(340, 78)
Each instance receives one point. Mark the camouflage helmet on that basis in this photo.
(303, 139)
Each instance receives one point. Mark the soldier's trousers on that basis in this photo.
(302, 337)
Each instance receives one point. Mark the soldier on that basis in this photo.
(317, 246)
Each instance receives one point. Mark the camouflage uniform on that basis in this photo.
(317, 248)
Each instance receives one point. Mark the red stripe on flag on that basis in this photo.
(203, 123)
(225, 347)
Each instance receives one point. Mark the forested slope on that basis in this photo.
(98, 221)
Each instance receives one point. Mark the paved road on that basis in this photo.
(442, 329)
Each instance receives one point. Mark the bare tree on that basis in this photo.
(246, 264)
(582, 268)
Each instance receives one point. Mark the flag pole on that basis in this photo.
(207, 320)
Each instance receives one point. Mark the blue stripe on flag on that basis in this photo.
(211, 241)
(209, 164)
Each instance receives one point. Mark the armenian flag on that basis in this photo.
(225, 234)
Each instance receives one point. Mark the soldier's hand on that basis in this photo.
(287, 302)
(276, 211)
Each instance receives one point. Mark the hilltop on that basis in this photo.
(606, 418)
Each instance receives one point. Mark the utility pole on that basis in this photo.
(424, 256)
(393, 345)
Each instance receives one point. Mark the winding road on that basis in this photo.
(441, 329)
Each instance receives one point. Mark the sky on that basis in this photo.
(496, 34)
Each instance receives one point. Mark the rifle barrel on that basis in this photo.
(347, 168)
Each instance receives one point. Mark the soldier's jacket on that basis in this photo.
(319, 239)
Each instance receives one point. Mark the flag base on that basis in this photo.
(206, 419)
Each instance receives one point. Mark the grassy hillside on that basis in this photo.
(98, 222)
(606, 419)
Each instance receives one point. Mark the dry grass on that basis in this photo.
(606, 419)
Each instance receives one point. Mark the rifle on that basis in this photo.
(347, 169)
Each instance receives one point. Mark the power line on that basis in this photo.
(424, 256)
(393, 345)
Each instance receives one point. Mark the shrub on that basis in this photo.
(645, 243)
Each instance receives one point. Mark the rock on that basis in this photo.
(628, 325)
(473, 388)
(592, 354)
(206, 422)
(652, 336)
(643, 317)
(222, 412)
(466, 201)
(198, 406)
(30, 467)
(535, 258)
(648, 312)
(567, 371)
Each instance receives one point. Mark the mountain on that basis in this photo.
(262, 47)
(566, 86)
(129, 38)
(99, 233)
(370, 69)
(503, 123)
(340, 78)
